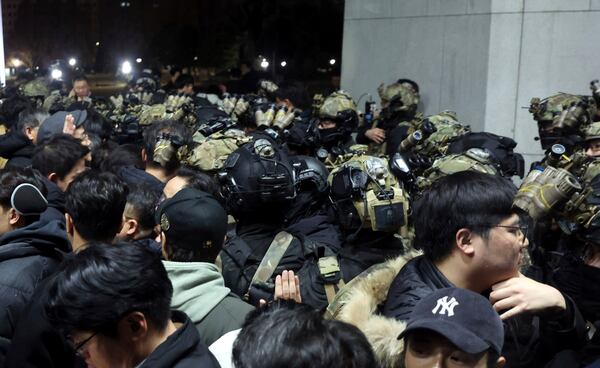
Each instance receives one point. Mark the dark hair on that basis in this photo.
(79, 78)
(143, 200)
(11, 178)
(171, 127)
(95, 201)
(296, 92)
(300, 337)
(97, 124)
(460, 200)
(97, 286)
(58, 154)
(414, 84)
(12, 107)
(183, 80)
(100, 151)
(30, 118)
(124, 155)
(198, 180)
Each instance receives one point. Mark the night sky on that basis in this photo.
(216, 34)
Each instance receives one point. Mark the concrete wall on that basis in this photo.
(484, 59)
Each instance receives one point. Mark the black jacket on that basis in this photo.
(134, 176)
(27, 256)
(318, 228)
(243, 253)
(182, 349)
(56, 203)
(35, 343)
(366, 249)
(529, 341)
(17, 148)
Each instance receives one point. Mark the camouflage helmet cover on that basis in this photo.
(563, 111)
(36, 88)
(336, 104)
(592, 131)
(402, 92)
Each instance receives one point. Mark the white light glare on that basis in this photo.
(72, 61)
(126, 67)
(283, 64)
(56, 74)
(138, 60)
(98, 43)
(264, 64)
(17, 62)
(332, 61)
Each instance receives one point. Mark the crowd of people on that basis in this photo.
(162, 227)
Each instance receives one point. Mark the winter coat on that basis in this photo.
(27, 256)
(17, 148)
(529, 340)
(182, 349)
(200, 292)
(358, 304)
(368, 248)
(56, 203)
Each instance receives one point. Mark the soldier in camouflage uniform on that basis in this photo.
(337, 120)
(372, 210)
(399, 107)
(562, 118)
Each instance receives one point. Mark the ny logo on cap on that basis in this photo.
(445, 306)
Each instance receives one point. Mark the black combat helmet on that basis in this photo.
(257, 178)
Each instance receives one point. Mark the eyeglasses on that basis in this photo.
(519, 230)
(79, 347)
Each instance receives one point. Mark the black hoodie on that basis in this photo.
(56, 203)
(27, 256)
(17, 148)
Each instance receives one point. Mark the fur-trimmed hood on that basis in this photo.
(357, 303)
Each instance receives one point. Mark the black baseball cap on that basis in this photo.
(465, 318)
(54, 124)
(27, 200)
(193, 219)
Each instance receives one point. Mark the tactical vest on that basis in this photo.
(315, 265)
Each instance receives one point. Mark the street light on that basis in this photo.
(17, 62)
(97, 43)
(56, 74)
(138, 60)
(283, 64)
(126, 67)
(264, 63)
(332, 61)
(72, 61)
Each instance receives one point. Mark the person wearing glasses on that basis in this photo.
(112, 303)
(472, 238)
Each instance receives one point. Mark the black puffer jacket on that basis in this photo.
(529, 341)
(183, 349)
(56, 203)
(134, 176)
(27, 257)
(17, 148)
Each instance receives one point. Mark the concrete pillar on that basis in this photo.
(484, 59)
